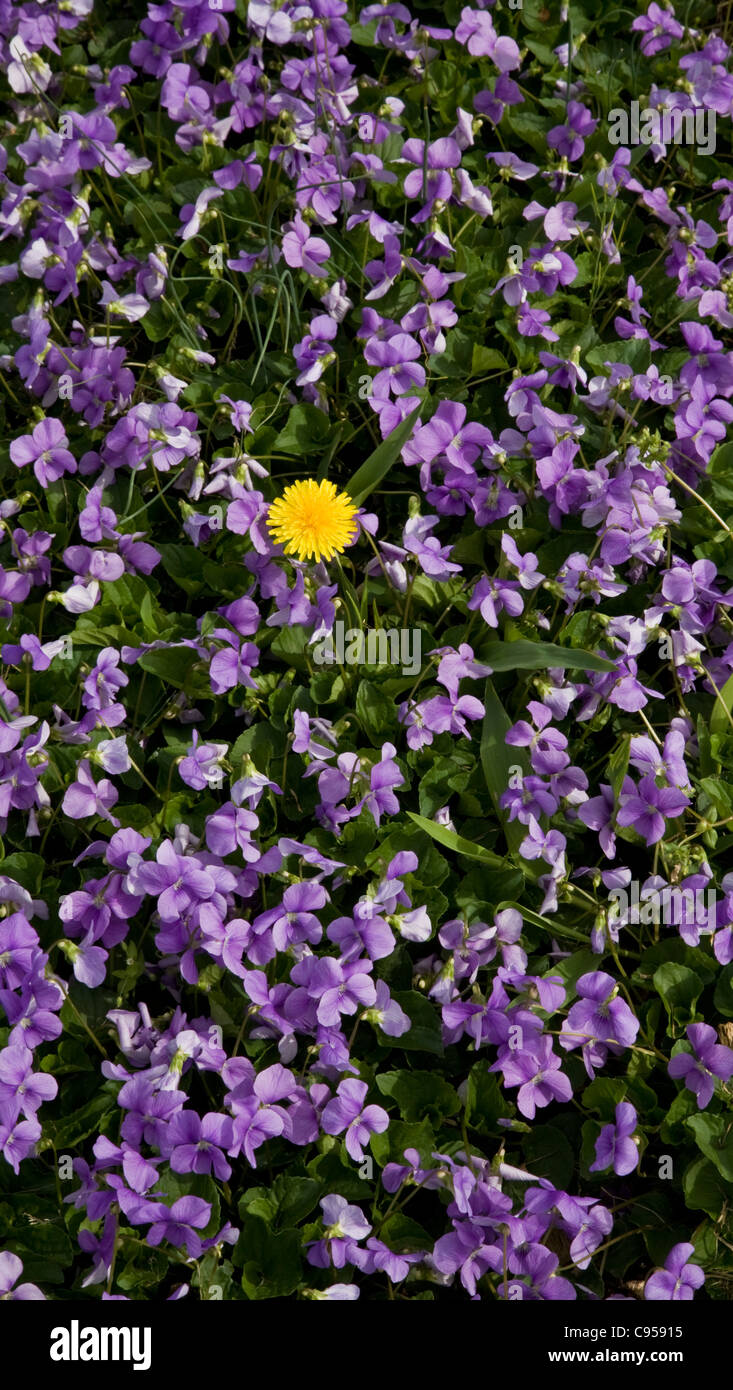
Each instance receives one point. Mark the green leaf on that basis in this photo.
(703, 1188)
(390, 1146)
(635, 352)
(26, 869)
(548, 1154)
(306, 431)
(485, 359)
(679, 989)
(720, 719)
(157, 323)
(290, 645)
(45, 1249)
(185, 566)
(83, 1121)
(171, 664)
(537, 656)
(144, 1269)
(486, 1102)
(336, 1175)
(271, 1260)
(214, 1277)
(603, 1095)
(558, 930)
(723, 997)
(714, 1140)
(446, 775)
(134, 968)
(259, 1201)
(379, 463)
(683, 1106)
(450, 840)
(70, 1058)
(722, 460)
(618, 766)
(377, 714)
(297, 1198)
(664, 1228)
(426, 1033)
(717, 794)
(676, 950)
(705, 1241)
(482, 889)
(419, 1093)
(570, 968)
(401, 1233)
(288, 1201)
(497, 760)
(354, 609)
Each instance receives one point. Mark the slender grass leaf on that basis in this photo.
(450, 840)
(556, 928)
(618, 766)
(497, 761)
(536, 656)
(373, 470)
(721, 717)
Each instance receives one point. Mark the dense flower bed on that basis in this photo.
(365, 711)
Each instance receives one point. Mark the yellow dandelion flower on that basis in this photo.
(312, 520)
